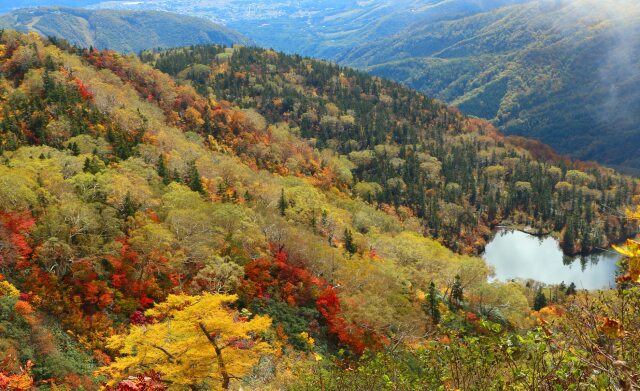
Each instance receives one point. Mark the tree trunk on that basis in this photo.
(226, 379)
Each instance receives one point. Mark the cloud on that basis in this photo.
(599, 9)
(618, 22)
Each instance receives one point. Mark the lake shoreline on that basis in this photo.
(526, 229)
(517, 255)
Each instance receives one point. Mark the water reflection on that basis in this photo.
(517, 255)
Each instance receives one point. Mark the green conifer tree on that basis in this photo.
(540, 301)
(457, 292)
(162, 170)
(194, 181)
(349, 245)
(129, 207)
(432, 307)
(282, 203)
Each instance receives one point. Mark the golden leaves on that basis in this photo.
(18, 382)
(611, 328)
(633, 215)
(308, 339)
(7, 289)
(631, 250)
(196, 341)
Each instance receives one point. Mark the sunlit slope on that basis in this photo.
(124, 31)
(562, 72)
(323, 28)
(275, 201)
(121, 187)
(458, 174)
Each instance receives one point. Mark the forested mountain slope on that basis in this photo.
(459, 175)
(562, 72)
(527, 66)
(120, 187)
(124, 31)
(322, 28)
(152, 237)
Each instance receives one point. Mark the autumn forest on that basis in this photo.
(226, 218)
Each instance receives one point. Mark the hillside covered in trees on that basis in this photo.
(156, 235)
(563, 72)
(528, 66)
(123, 31)
(407, 152)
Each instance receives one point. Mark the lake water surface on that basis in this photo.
(517, 255)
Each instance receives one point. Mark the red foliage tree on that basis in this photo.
(144, 382)
(84, 296)
(125, 277)
(275, 278)
(14, 245)
(84, 90)
(328, 304)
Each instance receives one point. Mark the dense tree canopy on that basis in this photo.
(396, 148)
(147, 226)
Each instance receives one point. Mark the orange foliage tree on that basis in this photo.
(20, 381)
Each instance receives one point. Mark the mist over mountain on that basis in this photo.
(561, 71)
(124, 31)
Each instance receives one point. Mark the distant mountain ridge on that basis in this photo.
(553, 70)
(124, 31)
(13, 5)
(316, 28)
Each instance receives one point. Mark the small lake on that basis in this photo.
(517, 255)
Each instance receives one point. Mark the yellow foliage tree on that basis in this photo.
(632, 252)
(7, 289)
(195, 342)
